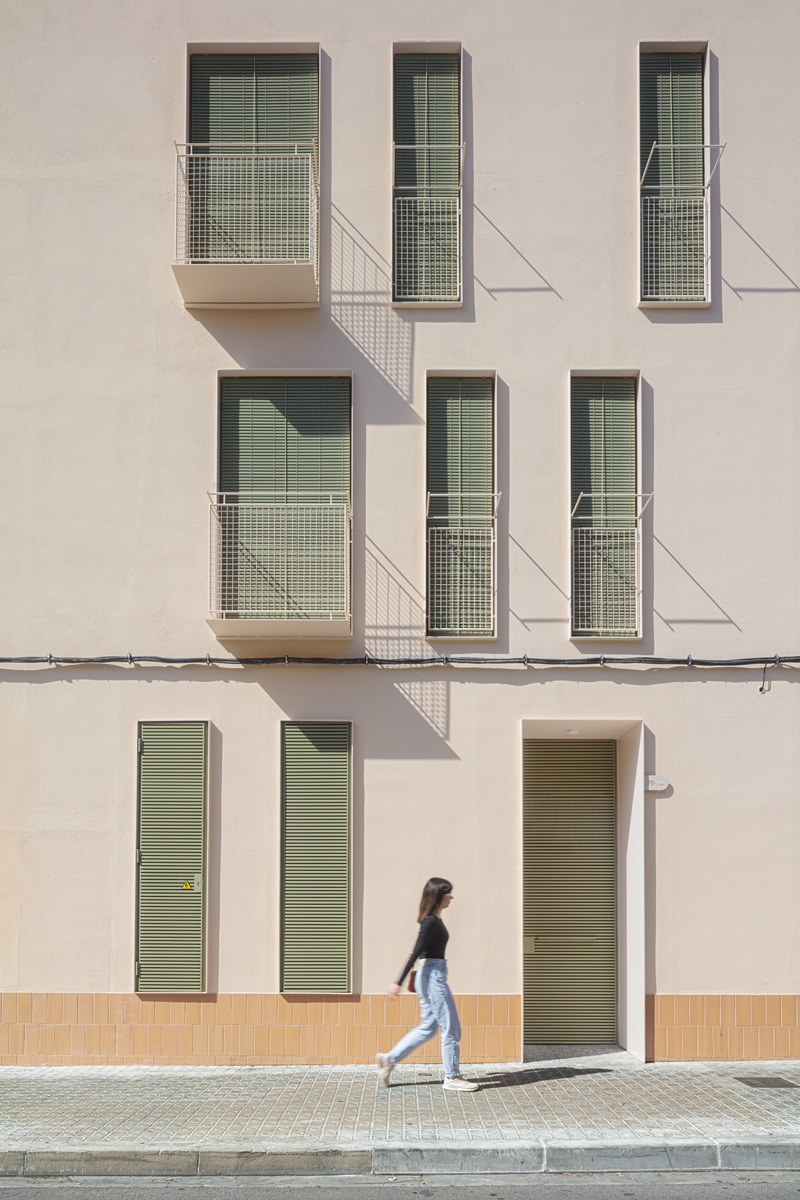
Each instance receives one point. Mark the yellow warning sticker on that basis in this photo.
(187, 887)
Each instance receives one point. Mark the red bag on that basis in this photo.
(412, 979)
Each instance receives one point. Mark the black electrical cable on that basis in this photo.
(369, 660)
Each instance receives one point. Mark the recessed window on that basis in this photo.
(461, 507)
(427, 178)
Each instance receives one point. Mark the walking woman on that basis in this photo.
(437, 1006)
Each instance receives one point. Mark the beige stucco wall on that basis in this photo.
(108, 449)
(720, 850)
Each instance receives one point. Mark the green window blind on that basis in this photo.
(251, 176)
(427, 135)
(673, 201)
(427, 122)
(170, 950)
(460, 469)
(284, 473)
(604, 526)
(671, 99)
(254, 98)
(285, 435)
(315, 910)
(569, 892)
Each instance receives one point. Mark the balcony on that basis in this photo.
(461, 564)
(674, 223)
(427, 224)
(607, 564)
(279, 567)
(246, 227)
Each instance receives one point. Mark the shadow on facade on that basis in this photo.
(518, 549)
(522, 275)
(682, 579)
(361, 305)
(761, 262)
(394, 625)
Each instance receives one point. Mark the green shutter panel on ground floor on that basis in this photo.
(460, 474)
(604, 527)
(170, 951)
(315, 908)
(569, 892)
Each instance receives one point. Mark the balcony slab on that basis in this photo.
(247, 285)
(297, 629)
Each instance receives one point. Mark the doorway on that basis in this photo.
(570, 920)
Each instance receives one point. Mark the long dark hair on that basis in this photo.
(433, 894)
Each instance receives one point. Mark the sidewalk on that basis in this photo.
(596, 1109)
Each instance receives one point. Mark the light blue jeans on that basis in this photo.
(438, 1008)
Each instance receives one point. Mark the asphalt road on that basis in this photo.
(674, 1186)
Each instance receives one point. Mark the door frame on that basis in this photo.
(629, 736)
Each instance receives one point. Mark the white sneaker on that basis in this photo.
(385, 1068)
(459, 1084)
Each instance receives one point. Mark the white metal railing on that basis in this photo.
(279, 556)
(247, 203)
(675, 257)
(674, 221)
(461, 563)
(427, 188)
(606, 558)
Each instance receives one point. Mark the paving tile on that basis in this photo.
(582, 1095)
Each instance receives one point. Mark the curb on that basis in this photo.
(530, 1157)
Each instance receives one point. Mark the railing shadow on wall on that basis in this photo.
(508, 258)
(394, 628)
(361, 304)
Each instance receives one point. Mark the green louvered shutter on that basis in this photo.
(460, 441)
(604, 526)
(315, 910)
(427, 134)
(170, 950)
(285, 443)
(569, 892)
(673, 201)
(251, 203)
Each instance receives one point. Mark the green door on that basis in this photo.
(569, 892)
(170, 853)
(315, 899)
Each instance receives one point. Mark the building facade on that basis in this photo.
(411, 401)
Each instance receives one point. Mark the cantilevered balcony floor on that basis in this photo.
(248, 285)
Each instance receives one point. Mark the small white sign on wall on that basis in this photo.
(656, 783)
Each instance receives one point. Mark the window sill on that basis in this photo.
(667, 304)
(428, 305)
(582, 639)
(461, 637)
(255, 629)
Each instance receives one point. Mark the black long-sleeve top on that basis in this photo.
(431, 942)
